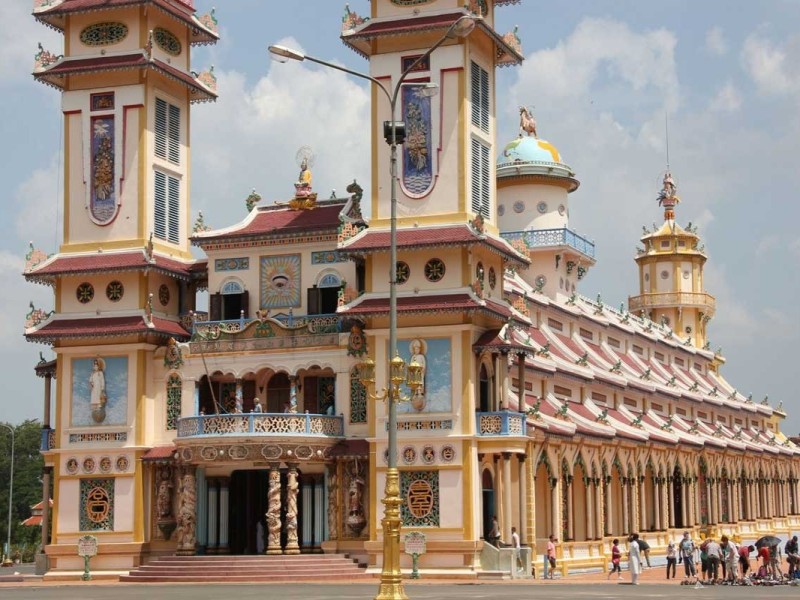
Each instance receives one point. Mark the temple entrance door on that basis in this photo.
(487, 509)
(483, 390)
(677, 498)
(248, 505)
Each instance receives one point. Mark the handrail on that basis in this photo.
(561, 236)
(284, 424)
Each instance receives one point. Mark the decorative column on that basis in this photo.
(213, 514)
(292, 487)
(333, 503)
(202, 510)
(625, 507)
(507, 517)
(523, 498)
(590, 509)
(567, 481)
(292, 393)
(318, 511)
(642, 489)
(608, 512)
(274, 510)
(224, 504)
(671, 501)
(555, 503)
(48, 379)
(657, 502)
(187, 513)
(521, 377)
(307, 538)
(599, 533)
(239, 406)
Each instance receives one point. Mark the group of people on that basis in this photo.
(720, 560)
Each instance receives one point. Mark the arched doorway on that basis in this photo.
(483, 390)
(614, 502)
(677, 497)
(544, 510)
(580, 505)
(488, 510)
(278, 393)
(649, 521)
(725, 501)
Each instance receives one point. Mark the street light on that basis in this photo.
(391, 579)
(7, 560)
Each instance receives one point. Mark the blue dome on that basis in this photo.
(529, 150)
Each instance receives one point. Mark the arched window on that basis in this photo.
(330, 280)
(174, 393)
(232, 287)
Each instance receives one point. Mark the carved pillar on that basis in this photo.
(292, 487)
(274, 510)
(642, 506)
(239, 406)
(187, 513)
(657, 503)
(507, 517)
(599, 508)
(202, 510)
(164, 515)
(607, 500)
(521, 377)
(567, 480)
(333, 503)
(589, 509)
(522, 481)
(318, 511)
(45, 506)
(224, 503)
(626, 508)
(48, 378)
(293, 393)
(555, 503)
(213, 514)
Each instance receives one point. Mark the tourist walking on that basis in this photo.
(686, 554)
(616, 558)
(515, 543)
(672, 558)
(634, 558)
(494, 533)
(551, 555)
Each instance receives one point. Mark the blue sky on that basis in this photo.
(601, 74)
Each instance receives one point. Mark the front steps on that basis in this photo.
(276, 569)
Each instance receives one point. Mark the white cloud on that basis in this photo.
(715, 41)
(18, 36)
(767, 244)
(773, 67)
(728, 99)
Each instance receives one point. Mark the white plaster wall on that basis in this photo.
(69, 495)
(386, 8)
(78, 22)
(451, 499)
(530, 218)
(451, 257)
(129, 302)
(686, 282)
(664, 284)
(124, 500)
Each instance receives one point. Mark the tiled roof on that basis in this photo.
(105, 327)
(105, 262)
(183, 10)
(159, 453)
(278, 222)
(425, 237)
(55, 74)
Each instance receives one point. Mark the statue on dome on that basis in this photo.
(667, 196)
(527, 122)
(304, 196)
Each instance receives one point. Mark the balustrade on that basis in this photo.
(261, 424)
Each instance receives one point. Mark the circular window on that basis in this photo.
(519, 206)
(664, 274)
(403, 272)
(434, 270)
(562, 209)
(479, 272)
(501, 210)
(163, 294)
(686, 274)
(104, 34)
(540, 281)
(542, 207)
(167, 41)
(85, 293)
(647, 276)
(114, 291)
(492, 278)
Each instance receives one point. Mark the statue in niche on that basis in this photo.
(355, 503)
(97, 388)
(333, 504)
(418, 349)
(164, 518)
(186, 520)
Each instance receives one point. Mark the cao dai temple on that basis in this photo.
(246, 429)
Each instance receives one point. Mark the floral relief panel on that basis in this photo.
(418, 146)
(280, 281)
(103, 193)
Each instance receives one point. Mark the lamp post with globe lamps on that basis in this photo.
(391, 586)
(7, 559)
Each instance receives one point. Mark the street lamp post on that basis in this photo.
(391, 586)
(7, 560)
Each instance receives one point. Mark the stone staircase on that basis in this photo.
(276, 569)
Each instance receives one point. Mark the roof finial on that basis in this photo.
(667, 196)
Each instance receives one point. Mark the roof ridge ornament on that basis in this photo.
(351, 19)
(251, 200)
(44, 58)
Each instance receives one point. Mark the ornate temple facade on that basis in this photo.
(245, 428)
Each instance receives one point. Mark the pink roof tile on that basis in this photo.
(105, 327)
(423, 304)
(103, 262)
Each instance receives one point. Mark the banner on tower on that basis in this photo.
(418, 147)
(103, 193)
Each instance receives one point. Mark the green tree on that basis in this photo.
(28, 463)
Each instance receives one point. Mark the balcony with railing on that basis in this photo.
(502, 422)
(265, 333)
(261, 424)
(550, 238)
(668, 299)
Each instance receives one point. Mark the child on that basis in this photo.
(616, 556)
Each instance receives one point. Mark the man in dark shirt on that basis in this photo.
(792, 556)
(645, 548)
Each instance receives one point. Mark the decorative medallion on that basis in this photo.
(105, 464)
(434, 270)
(163, 294)
(173, 357)
(72, 466)
(541, 280)
(88, 465)
(420, 490)
(114, 291)
(428, 455)
(271, 452)
(238, 452)
(409, 455)
(664, 274)
(448, 453)
(479, 272)
(356, 342)
(123, 463)
(403, 272)
(492, 278)
(420, 499)
(501, 210)
(647, 276)
(208, 453)
(167, 41)
(97, 502)
(686, 274)
(542, 207)
(85, 293)
(103, 34)
(562, 209)
(519, 206)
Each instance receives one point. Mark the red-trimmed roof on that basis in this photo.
(104, 262)
(426, 237)
(159, 453)
(279, 221)
(55, 74)
(425, 304)
(183, 10)
(105, 327)
(359, 38)
(33, 520)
